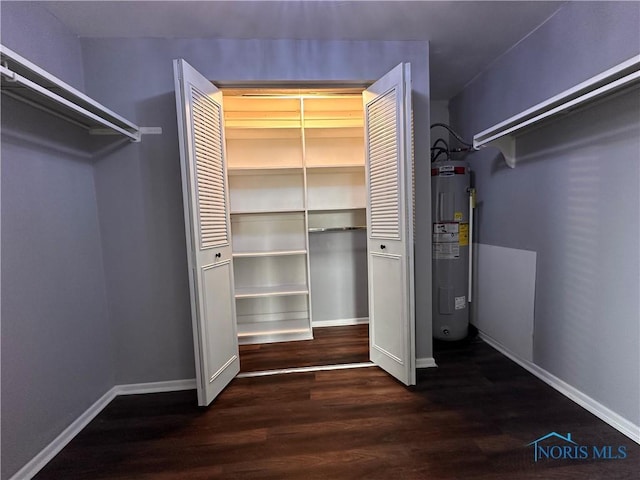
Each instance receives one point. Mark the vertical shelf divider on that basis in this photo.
(306, 208)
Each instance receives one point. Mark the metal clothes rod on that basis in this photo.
(335, 229)
(48, 110)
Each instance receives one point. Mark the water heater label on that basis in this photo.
(446, 228)
(446, 251)
(461, 302)
(446, 240)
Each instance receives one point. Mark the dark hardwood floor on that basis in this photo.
(471, 418)
(330, 346)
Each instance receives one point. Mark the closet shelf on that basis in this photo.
(502, 135)
(268, 253)
(258, 171)
(25, 81)
(342, 168)
(271, 291)
(282, 331)
(347, 208)
(334, 123)
(266, 212)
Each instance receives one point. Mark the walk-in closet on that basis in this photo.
(295, 165)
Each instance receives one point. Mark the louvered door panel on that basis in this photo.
(389, 168)
(382, 144)
(210, 174)
(207, 231)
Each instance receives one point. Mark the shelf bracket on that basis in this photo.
(141, 131)
(506, 145)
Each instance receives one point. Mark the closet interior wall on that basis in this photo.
(298, 212)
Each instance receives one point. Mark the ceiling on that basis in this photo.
(464, 36)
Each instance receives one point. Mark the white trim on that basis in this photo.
(156, 387)
(319, 368)
(427, 362)
(37, 463)
(605, 414)
(340, 322)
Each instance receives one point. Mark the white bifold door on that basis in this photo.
(389, 175)
(208, 233)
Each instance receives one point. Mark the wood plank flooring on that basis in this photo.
(330, 346)
(470, 419)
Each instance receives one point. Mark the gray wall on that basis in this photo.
(572, 198)
(56, 339)
(440, 114)
(139, 193)
(37, 35)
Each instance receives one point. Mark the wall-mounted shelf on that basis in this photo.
(268, 253)
(503, 135)
(271, 291)
(264, 171)
(31, 84)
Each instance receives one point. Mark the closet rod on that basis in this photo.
(48, 110)
(503, 134)
(335, 229)
(19, 79)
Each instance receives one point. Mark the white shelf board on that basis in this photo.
(502, 135)
(278, 334)
(292, 170)
(268, 253)
(336, 210)
(331, 131)
(242, 131)
(335, 123)
(34, 85)
(255, 330)
(271, 291)
(346, 168)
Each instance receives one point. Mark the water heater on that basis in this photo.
(451, 216)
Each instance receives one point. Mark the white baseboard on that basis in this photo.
(341, 322)
(47, 453)
(156, 387)
(428, 362)
(607, 415)
(38, 462)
